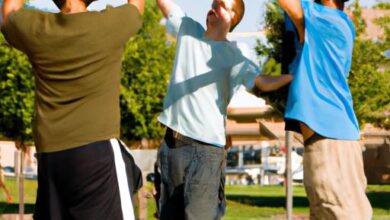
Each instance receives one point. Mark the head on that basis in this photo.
(61, 3)
(225, 13)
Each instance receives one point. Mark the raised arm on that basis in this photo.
(10, 6)
(294, 10)
(140, 4)
(165, 6)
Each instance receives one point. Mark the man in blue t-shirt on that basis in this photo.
(320, 104)
(208, 69)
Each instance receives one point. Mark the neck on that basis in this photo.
(334, 4)
(73, 6)
(216, 35)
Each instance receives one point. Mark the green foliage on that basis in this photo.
(16, 94)
(370, 73)
(382, 5)
(358, 21)
(147, 64)
(369, 78)
(274, 27)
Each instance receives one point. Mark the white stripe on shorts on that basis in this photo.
(126, 204)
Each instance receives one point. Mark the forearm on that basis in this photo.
(266, 83)
(165, 6)
(140, 4)
(10, 6)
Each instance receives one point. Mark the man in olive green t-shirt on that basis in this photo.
(76, 57)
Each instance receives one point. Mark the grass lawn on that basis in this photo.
(244, 202)
(29, 196)
(255, 202)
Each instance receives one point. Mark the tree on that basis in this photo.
(16, 103)
(369, 77)
(16, 94)
(146, 69)
(382, 5)
(277, 49)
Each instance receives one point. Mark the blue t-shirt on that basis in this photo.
(319, 95)
(204, 78)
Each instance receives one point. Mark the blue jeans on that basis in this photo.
(191, 187)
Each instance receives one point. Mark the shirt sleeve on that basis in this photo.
(174, 20)
(125, 21)
(249, 69)
(14, 31)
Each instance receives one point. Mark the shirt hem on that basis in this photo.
(321, 132)
(73, 145)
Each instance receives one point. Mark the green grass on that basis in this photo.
(244, 202)
(29, 196)
(268, 202)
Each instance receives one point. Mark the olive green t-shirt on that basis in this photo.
(77, 63)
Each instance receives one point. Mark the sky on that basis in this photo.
(197, 9)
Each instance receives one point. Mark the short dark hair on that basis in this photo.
(61, 3)
(239, 10)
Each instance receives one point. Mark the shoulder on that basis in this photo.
(307, 5)
(123, 10)
(126, 15)
(323, 19)
(23, 20)
(24, 14)
(188, 21)
(190, 26)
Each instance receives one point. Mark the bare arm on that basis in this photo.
(140, 4)
(270, 83)
(294, 10)
(165, 6)
(10, 6)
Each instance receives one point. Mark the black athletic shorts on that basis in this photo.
(95, 181)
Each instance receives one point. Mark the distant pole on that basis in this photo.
(21, 186)
(240, 157)
(289, 188)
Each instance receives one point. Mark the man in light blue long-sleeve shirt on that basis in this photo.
(208, 69)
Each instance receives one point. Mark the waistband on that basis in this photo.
(312, 139)
(171, 136)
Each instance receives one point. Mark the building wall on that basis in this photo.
(377, 163)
